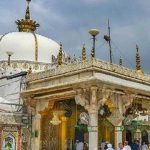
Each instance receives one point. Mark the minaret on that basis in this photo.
(83, 53)
(138, 61)
(26, 24)
(60, 55)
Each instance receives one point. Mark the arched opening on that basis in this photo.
(9, 142)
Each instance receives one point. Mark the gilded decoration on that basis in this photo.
(26, 24)
(24, 65)
(36, 47)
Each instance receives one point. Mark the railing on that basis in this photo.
(103, 66)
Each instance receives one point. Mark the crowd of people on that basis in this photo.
(125, 146)
(108, 146)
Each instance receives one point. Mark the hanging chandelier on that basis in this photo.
(55, 120)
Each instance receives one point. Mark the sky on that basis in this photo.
(68, 21)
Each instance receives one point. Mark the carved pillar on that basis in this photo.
(91, 99)
(93, 114)
(118, 135)
(88, 99)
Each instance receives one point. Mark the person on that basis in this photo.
(144, 146)
(103, 145)
(85, 146)
(120, 146)
(126, 146)
(79, 145)
(135, 145)
(109, 147)
(106, 145)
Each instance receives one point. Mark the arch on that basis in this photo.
(9, 141)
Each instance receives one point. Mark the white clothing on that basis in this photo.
(79, 146)
(103, 145)
(144, 147)
(127, 147)
(109, 147)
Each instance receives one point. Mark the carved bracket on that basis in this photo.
(92, 98)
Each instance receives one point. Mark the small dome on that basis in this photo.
(28, 46)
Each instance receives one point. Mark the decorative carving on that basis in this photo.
(92, 98)
(128, 99)
(30, 103)
(113, 69)
(49, 133)
(9, 119)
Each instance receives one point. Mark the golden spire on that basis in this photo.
(27, 14)
(138, 61)
(60, 55)
(26, 24)
(83, 52)
(120, 61)
(92, 53)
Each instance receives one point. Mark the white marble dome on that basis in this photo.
(23, 45)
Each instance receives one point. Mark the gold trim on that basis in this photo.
(36, 47)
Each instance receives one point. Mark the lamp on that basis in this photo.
(55, 120)
(9, 53)
(93, 33)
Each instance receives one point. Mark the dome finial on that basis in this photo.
(27, 25)
(138, 61)
(27, 14)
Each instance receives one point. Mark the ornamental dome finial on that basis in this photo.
(138, 61)
(27, 14)
(26, 24)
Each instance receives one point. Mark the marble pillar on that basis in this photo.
(36, 130)
(118, 136)
(93, 131)
(93, 120)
